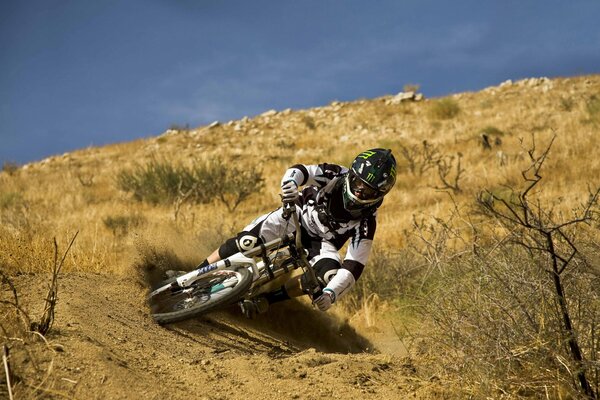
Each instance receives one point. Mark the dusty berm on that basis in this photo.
(104, 345)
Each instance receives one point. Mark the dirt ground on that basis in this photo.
(104, 345)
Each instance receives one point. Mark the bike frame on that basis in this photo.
(290, 245)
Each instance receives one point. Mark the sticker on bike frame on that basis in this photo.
(208, 268)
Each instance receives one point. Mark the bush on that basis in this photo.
(155, 182)
(593, 109)
(309, 122)
(10, 167)
(444, 109)
(120, 225)
(566, 104)
(517, 306)
(492, 131)
(496, 316)
(160, 182)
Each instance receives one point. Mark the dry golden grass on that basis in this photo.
(77, 192)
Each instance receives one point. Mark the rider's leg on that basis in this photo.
(325, 269)
(264, 228)
(213, 257)
(325, 260)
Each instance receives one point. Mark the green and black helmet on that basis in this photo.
(371, 176)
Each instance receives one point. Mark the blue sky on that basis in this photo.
(76, 73)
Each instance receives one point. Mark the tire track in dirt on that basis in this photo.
(111, 349)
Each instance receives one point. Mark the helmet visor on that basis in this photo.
(361, 191)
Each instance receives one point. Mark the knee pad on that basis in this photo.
(244, 241)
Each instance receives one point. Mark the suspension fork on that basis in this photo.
(289, 210)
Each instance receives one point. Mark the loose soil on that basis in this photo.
(104, 345)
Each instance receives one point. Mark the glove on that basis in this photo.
(325, 300)
(289, 192)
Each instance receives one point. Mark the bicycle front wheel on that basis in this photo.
(210, 291)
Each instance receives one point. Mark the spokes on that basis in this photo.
(205, 289)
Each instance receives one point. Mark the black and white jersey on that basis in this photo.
(324, 216)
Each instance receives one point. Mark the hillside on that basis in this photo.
(373, 345)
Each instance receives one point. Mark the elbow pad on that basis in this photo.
(294, 174)
(341, 282)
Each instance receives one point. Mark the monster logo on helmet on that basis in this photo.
(371, 176)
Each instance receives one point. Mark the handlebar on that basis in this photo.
(289, 210)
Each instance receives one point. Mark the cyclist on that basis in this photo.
(336, 204)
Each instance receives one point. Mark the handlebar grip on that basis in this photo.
(317, 294)
(288, 209)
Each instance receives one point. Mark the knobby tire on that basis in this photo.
(201, 297)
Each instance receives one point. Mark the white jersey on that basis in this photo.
(323, 214)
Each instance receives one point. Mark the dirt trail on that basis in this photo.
(109, 348)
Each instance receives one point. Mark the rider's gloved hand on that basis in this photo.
(289, 192)
(325, 300)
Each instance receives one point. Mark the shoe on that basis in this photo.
(251, 308)
(171, 273)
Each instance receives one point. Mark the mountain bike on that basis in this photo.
(243, 275)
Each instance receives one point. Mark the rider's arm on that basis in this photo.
(356, 258)
(318, 175)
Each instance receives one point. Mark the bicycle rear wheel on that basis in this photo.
(209, 292)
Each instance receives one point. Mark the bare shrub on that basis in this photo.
(27, 356)
(519, 314)
(501, 324)
(551, 240)
(450, 171)
(421, 158)
(47, 319)
(426, 156)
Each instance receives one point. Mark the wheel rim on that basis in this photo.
(205, 289)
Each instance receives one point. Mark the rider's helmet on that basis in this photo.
(371, 176)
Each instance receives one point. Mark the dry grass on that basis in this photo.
(78, 192)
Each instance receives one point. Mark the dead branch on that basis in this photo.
(445, 167)
(48, 316)
(538, 232)
(7, 371)
(20, 312)
(420, 159)
(87, 180)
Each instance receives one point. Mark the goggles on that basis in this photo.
(360, 191)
